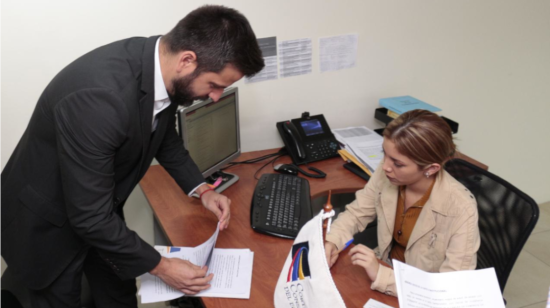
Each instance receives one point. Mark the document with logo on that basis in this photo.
(232, 270)
(305, 279)
(419, 289)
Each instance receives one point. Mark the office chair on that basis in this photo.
(507, 217)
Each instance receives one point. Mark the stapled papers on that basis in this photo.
(232, 270)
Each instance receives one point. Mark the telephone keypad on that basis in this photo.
(321, 149)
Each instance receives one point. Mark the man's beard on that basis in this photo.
(182, 94)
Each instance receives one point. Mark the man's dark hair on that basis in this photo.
(217, 35)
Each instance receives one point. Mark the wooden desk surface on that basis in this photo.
(186, 222)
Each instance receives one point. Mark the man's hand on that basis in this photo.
(217, 204)
(331, 252)
(182, 275)
(363, 256)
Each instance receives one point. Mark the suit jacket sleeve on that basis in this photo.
(173, 156)
(90, 125)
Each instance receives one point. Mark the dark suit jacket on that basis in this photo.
(87, 146)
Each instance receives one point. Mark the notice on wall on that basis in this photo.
(268, 46)
(295, 57)
(337, 52)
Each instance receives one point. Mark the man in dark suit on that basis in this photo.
(95, 130)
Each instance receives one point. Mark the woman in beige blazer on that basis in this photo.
(425, 217)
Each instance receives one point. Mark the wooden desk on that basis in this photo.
(186, 222)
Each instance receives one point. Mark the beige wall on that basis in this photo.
(486, 63)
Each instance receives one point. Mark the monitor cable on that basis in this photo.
(254, 160)
(294, 170)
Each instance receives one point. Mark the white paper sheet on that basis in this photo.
(370, 153)
(232, 270)
(295, 57)
(153, 289)
(356, 134)
(372, 303)
(337, 52)
(468, 289)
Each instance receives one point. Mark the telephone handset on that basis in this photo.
(308, 138)
(291, 130)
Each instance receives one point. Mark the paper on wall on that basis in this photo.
(337, 52)
(295, 57)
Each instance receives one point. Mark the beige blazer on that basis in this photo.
(445, 237)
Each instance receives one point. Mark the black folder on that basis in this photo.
(357, 171)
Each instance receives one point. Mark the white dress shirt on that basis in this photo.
(162, 101)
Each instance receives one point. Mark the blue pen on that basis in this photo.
(347, 244)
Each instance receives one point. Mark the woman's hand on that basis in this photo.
(363, 256)
(331, 252)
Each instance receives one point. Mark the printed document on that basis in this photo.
(355, 134)
(232, 270)
(468, 289)
(363, 143)
(295, 57)
(268, 46)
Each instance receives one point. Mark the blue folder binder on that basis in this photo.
(402, 104)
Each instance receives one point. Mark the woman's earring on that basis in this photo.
(427, 174)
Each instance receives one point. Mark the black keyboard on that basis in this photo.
(281, 205)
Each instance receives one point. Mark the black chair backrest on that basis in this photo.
(507, 217)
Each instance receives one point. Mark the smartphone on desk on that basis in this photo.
(308, 138)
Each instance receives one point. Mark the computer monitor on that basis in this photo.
(211, 134)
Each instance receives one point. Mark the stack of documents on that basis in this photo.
(362, 146)
(232, 270)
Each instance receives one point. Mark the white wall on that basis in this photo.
(486, 63)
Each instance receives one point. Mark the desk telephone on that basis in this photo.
(308, 138)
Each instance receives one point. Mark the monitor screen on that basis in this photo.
(210, 131)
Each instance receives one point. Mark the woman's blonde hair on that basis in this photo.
(422, 136)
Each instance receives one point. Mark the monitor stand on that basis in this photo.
(227, 180)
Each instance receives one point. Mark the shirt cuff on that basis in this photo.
(382, 278)
(193, 190)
